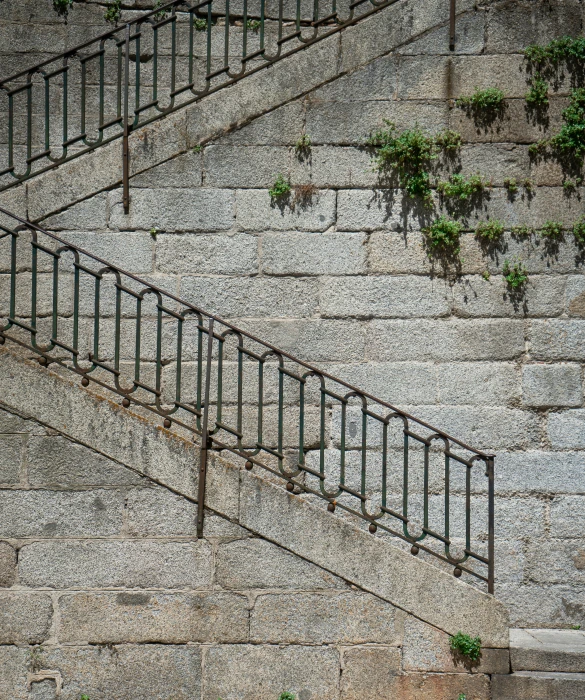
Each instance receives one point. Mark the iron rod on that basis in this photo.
(205, 437)
(125, 145)
(452, 25)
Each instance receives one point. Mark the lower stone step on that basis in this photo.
(561, 651)
(539, 685)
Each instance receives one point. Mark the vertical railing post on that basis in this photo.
(205, 438)
(452, 25)
(491, 524)
(125, 146)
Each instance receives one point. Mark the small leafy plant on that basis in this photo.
(280, 188)
(564, 49)
(443, 235)
(466, 645)
(486, 275)
(113, 12)
(537, 95)
(571, 138)
(200, 24)
(62, 7)
(160, 14)
(462, 696)
(511, 185)
(303, 145)
(84, 697)
(198, 148)
(553, 230)
(287, 696)
(153, 232)
(522, 231)
(253, 25)
(448, 141)
(458, 187)
(515, 274)
(490, 99)
(579, 230)
(490, 231)
(575, 627)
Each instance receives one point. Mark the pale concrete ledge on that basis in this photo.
(229, 108)
(547, 650)
(267, 510)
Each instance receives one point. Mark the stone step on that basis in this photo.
(539, 685)
(561, 651)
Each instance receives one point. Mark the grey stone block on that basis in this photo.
(476, 297)
(313, 254)
(533, 605)
(185, 171)
(7, 565)
(539, 472)
(478, 383)
(240, 565)
(370, 210)
(375, 81)
(567, 516)
(174, 210)
(469, 37)
(445, 340)
(261, 672)
(153, 617)
(391, 252)
(25, 618)
(575, 296)
(561, 651)
(89, 215)
(350, 123)
(252, 297)
(137, 564)
(533, 685)
(245, 166)
(565, 429)
(257, 212)
(442, 686)
(559, 563)
(337, 166)
(369, 672)
(427, 649)
(558, 339)
(55, 461)
(43, 513)
(385, 297)
(313, 340)
(139, 671)
(323, 618)
(14, 672)
(11, 454)
(158, 512)
(430, 77)
(212, 254)
(281, 126)
(130, 251)
(470, 72)
(547, 386)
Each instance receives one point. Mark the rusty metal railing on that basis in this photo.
(231, 391)
(150, 67)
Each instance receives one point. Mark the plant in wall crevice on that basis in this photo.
(489, 232)
(515, 274)
(113, 12)
(579, 231)
(484, 106)
(462, 189)
(537, 95)
(466, 645)
(303, 147)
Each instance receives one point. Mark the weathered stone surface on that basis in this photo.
(313, 254)
(262, 672)
(176, 618)
(567, 516)
(559, 563)
(324, 618)
(552, 385)
(212, 254)
(478, 383)
(564, 429)
(135, 564)
(54, 461)
(562, 651)
(240, 565)
(537, 471)
(427, 649)
(256, 211)
(14, 672)
(25, 618)
(544, 606)
(531, 685)
(42, 513)
(11, 450)
(157, 512)
(7, 565)
(368, 672)
(558, 339)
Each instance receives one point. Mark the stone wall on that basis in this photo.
(344, 279)
(106, 591)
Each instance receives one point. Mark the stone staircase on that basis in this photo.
(546, 664)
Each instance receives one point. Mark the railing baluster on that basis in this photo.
(205, 437)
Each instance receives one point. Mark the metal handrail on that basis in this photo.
(235, 392)
(124, 99)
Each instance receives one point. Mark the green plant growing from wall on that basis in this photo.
(522, 231)
(511, 184)
(84, 697)
(564, 49)
(200, 24)
(571, 138)
(466, 645)
(410, 154)
(489, 231)
(303, 146)
(153, 232)
(462, 696)
(62, 7)
(198, 148)
(537, 95)
(253, 25)
(113, 12)
(459, 187)
(287, 696)
(490, 100)
(443, 236)
(280, 188)
(160, 14)
(515, 274)
(553, 230)
(579, 230)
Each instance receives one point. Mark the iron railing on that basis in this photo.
(147, 68)
(231, 391)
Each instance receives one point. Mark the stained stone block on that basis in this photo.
(552, 385)
(25, 618)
